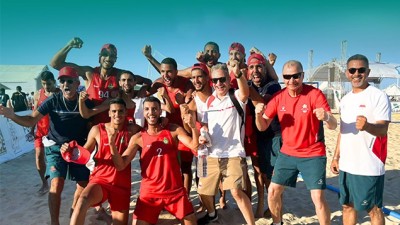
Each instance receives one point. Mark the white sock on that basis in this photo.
(211, 214)
(277, 223)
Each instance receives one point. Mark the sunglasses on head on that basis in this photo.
(221, 80)
(62, 81)
(294, 76)
(360, 70)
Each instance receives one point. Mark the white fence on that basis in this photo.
(13, 139)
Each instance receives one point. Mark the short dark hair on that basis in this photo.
(152, 99)
(119, 101)
(359, 57)
(212, 43)
(19, 88)
(170, 61)
(47, 75)
(127, 72)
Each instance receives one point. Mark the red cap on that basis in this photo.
(202, 67)
(237, 46)
(110, 48)
(78, 154)
(260, 59)
(68, 72)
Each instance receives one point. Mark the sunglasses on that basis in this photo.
(221, 80)
(62, 81)
(360, 70)
(294, 76)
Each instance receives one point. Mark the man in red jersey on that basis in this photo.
(101, 82)
(42, 127)
(107, 182)
(177, 89)
(161, 186)
(300, 109)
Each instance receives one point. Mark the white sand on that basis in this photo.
(19, 203)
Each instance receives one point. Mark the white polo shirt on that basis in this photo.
(224, 127)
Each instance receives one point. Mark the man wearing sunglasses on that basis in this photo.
(101, 82)
(66, 124)
(361, 149)
(300, 109)
(226, 155)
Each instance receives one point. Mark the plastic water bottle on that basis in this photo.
(202, 161)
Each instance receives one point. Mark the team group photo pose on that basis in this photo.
(211, 143)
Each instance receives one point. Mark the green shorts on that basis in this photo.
(56, 166)
(268, 151)
(364, 192)
(313, 171)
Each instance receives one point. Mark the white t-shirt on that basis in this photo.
(139, 118)
(224, 127)
(362, 153)
(201, 108)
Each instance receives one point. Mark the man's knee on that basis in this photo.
(56, 185)
(274, 191)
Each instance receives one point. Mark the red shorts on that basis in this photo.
(250, 145)
(119, 198)
(149, 209)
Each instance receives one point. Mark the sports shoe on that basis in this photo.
(207, 219)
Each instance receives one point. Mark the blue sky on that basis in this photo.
(31, 32)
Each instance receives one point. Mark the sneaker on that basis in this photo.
(207, 219)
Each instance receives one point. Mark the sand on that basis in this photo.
(19, 203)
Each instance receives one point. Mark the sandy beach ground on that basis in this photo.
(19, 203)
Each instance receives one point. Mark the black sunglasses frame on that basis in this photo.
(360, 70)
(220, 79)
(62, 81)
(294, 76)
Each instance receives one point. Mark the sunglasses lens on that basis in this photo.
(295, 76)
(352, 70)
(362, 70)
(221, 80)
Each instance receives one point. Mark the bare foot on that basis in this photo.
(222, 203)
(43, 190)
(103, 215)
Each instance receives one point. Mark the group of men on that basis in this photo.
(239, 104)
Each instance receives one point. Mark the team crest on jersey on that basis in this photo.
(283, 109)
(110, 86)
(304, 108)
(165, 140)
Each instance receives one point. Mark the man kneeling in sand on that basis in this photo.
(106, 181)
(161, 186)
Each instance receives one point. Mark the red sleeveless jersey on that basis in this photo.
(161, 174)
(105, 171)
(176, 116)
(42, 126)
(99, 90)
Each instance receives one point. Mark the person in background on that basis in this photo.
(18, 100)
(361, 150)
(4, 98)
(42, 126)
(300, 108)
